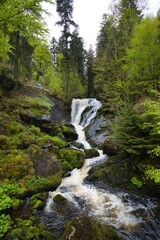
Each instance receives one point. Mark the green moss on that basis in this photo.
(16, 166)
(60, 199)
(72, 158)
(59, 142)
(91, 229)
(36, 106)
(39, 184)
(136, 182)
(37, 200)
(16, 203)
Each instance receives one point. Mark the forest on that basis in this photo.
(123, 73)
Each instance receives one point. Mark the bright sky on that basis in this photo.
(88, 15)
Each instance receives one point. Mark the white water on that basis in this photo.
(114, 209)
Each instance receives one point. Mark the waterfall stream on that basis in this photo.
(126, 212)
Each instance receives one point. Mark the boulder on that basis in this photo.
(109, 148)
(60, 199)
(90, 153)
(88, 228)
(72, 158)
(44, 163)
(97, 132)
(69, 133)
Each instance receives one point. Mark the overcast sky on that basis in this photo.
(88, 15)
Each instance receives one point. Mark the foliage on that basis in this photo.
(30, 229)
(5, 201)
(143, 57)
(137, 128)
(5, 222)
(22, 16)
(153, 174)
(136, 182)
(152, 123)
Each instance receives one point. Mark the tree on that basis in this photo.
(143, 58)
(21, 24)
(78, 55)
(90, 72)
(65, 10)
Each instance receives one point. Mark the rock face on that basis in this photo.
(60, 113)
(96, 131)
(85, 228)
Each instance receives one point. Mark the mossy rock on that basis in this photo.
(60, 199)
(41, 184)
(16, 203)
(45, 163)
(38, 200)
(48, 235)
(16, 165)
(89, 229)
(69, 133)
(72, 158)
(59, 142)
(90, 153)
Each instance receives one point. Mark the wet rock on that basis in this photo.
(60, 199)
(97, 132)
(90, 153)
(88, 228)
(77, 145)
(60, 113)
(69, 133)
(109, 148)
(94, 127)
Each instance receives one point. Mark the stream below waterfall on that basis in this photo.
(132, 216)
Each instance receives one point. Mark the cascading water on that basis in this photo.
(124, 211)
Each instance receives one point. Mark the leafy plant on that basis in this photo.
(5, 222)
(136, 182)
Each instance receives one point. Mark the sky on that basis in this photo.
(88, 15)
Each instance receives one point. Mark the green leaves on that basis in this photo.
(143, 57)
(5, 222)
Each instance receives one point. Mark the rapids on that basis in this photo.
(133, 216)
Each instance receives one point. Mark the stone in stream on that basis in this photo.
(90, 153)
(87, 228)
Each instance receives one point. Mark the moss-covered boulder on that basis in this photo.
(87, 228)
(59, 199)
(69, 133)
(59, 142)
(72, 158)
(44, 163)
(90, 153)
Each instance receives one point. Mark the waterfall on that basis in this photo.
(115, 208)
